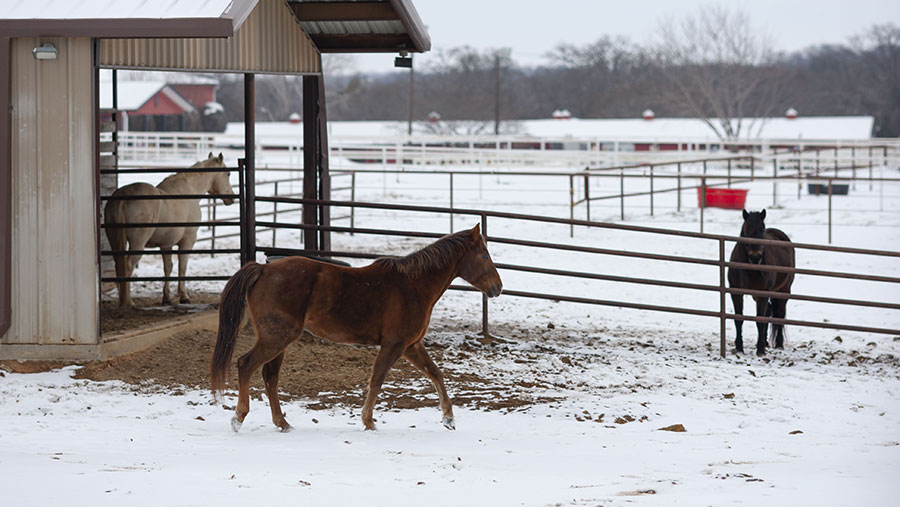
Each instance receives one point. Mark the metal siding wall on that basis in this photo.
(54, 258)
(270, 41)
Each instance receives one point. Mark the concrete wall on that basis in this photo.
(54, 211)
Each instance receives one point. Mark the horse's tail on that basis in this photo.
(231, 316)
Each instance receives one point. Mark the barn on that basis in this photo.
(51, 54)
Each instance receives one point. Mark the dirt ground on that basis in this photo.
(324, 373)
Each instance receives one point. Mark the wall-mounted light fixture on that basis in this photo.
(403, 60)
(45, 52)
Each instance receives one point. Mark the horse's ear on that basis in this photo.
(762, 214)
(221, 157)
(746, 214)
(210, 155)
(476, 231)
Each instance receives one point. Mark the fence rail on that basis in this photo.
(721, 262)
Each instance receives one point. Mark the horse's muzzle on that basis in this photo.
(227, 201)
(495, 290)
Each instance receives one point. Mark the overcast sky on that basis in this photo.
(531, 28)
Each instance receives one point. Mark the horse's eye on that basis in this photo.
(484, 256)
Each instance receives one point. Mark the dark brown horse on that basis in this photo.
(771, 281)
(386, 303)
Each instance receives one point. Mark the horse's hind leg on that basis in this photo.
(387, 356)
(418, 356)
(186, 243)
(270, 377)
(167, 270)
(762, 310)
(738, 301)
(273, 334)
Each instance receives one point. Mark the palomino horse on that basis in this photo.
(161, 211)
(770, 281)
(386, 303)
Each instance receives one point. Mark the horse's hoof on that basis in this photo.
(286, 428)
(760, 352)
(449, 423)
(235, 424)
(185, 300)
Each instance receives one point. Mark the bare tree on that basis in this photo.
(720, 68)
(879, 76)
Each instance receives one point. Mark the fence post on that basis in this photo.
(775, 181)
(651, 190)
(729, 173)
(484, 299)
(212, 228)
(622, 193)
(702, 200)
(870, 167)
(722, 319)
(587, 196)
(830, 181)
(242, 186)
(571, 205)
(352, 199)
(451, 203)
(275, 215)
(752, 168)
(679, 186)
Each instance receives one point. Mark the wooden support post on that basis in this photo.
(249, 197)
(310, 172)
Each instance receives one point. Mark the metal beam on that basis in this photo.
(5, 187)
(343, 11)
(310, 147)
(248, 203)
(361, 43)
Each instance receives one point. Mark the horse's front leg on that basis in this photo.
(762, 310)
(738, 301)
(388, 354)
(167, 270)
(779, 311)
(418, 356)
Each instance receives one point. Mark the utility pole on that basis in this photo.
(496, 94)
(409, 117)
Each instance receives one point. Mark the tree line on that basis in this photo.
(711, 66)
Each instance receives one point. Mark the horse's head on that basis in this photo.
(477, 268)
(219, 185)
(754, 227)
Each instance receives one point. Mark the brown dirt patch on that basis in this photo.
(326, 373)
(114, 319)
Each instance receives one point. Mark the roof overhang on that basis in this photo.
(25, 23)
(362, 26)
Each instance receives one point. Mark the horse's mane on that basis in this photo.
(436, 255)
(173, 178)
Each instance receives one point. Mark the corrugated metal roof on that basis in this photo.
(109, 9)
(269, 41)
(362, 25)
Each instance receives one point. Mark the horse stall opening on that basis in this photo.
(145, 222)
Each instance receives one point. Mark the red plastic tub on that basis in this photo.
(729, 198)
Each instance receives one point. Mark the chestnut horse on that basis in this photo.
(386, 303)
(771, 281)
(151, 211)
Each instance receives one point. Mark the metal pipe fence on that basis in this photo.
(648, 175)
(721, 262)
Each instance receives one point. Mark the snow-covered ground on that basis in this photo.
(815, 424)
